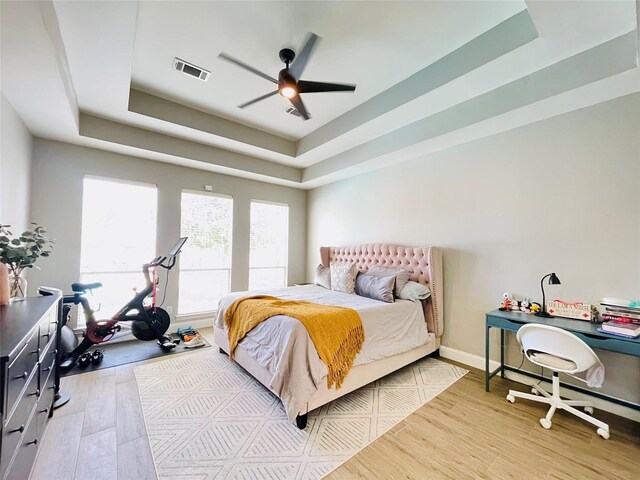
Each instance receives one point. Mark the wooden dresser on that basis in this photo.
(27, 377)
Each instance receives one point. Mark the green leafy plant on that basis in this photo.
(22, 252)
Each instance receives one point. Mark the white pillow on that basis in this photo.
(322, 277)
(343, 277)
(414, 291)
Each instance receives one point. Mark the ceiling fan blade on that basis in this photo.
(240, 64)
(303, 57)
(314, 87)
(256, 100)
(297, 102)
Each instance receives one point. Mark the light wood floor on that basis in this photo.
(463, 433)
(467, 433)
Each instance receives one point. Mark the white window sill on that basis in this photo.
(182, 317)
(196, 320)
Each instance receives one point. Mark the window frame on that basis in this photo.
(79, 320)
(205, 313)
(286, 266)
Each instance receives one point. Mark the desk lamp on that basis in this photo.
(553, 280)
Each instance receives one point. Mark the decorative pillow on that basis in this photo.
(322, 276)
(378, 288)
(402, 276)
(414, 291)
(343, 277)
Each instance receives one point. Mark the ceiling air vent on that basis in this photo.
(291, 110)
(191, 70)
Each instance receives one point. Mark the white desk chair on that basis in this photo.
(560, 351)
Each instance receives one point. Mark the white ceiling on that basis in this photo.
(69, 67)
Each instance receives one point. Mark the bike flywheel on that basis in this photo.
(160, 320)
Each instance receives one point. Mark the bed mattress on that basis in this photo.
(282, 346)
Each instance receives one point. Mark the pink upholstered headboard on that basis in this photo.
(425, 264)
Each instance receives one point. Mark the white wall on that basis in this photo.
(15, 169)
(561, 195)
(56, 202)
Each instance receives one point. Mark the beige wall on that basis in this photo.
(58, 172)
(15, 169)
(560, 195)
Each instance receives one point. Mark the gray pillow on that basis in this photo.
(378, 288)
(322, 277)
(402, 276)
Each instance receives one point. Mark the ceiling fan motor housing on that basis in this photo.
(285, 78)
(287, 55)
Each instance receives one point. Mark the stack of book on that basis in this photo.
(621, 317)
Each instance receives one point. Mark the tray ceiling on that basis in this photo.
(430, 75)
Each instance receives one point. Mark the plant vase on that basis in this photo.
(21, 252)
(17, 287)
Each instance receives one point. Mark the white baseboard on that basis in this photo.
(195, 323)
(478, 362)
(470, 359)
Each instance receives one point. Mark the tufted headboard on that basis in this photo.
(425, 264)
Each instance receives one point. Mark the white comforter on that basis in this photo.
(282, 345)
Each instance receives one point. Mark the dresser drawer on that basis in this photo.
(47, 359)
(17, 424)
(48, 326)
(20, 369)
(43, 410)
(26, 454)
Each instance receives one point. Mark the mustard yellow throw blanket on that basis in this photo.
(336, 332)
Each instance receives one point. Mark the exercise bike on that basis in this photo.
(148, 321)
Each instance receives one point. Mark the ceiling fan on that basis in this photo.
(289, 84)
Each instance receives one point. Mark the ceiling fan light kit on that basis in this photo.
(288, 91)
(289, 84)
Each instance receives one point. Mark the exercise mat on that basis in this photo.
(121, 353)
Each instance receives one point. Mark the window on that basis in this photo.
(269, 245)
(118, 236)
(205, 261)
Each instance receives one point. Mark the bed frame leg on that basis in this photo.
(222, 351)
(301, 421)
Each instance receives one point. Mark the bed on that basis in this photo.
(280, 355)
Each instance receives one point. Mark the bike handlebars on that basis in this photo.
(159, 262)
(173, 253)
(156, 262)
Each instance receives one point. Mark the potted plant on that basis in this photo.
(21, 253)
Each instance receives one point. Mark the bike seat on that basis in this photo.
(83, 287)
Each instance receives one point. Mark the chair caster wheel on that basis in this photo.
(535, 391)
(603, 433)
(545, 423)
(511, 398)
(588, 410)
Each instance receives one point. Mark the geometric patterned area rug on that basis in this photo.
(209, 419)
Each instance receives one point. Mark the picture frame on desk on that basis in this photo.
(573, 310)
